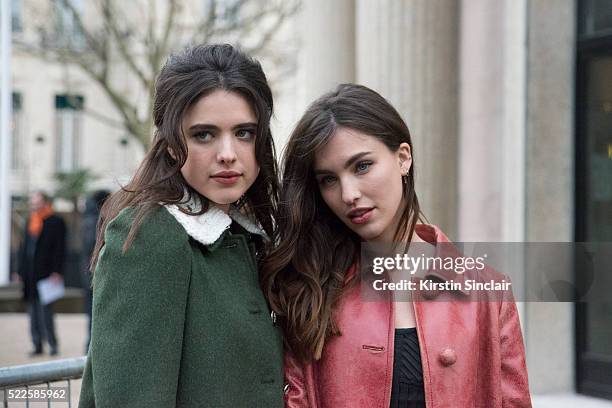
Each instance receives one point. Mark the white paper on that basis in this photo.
(49, 290)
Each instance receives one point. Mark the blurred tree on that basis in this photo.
(121, 45)
(71, 185)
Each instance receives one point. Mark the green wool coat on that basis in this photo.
(179, 320)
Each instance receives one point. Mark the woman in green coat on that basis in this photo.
(179, 319)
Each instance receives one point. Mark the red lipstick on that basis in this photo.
(226, 177)
(360, 215)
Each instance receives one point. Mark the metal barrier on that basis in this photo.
(39, 374)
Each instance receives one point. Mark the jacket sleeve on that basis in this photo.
(295, 383)
(514, 383)
(59, 247)
(139, 306)
(21, 256)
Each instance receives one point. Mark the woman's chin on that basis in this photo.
(223, 200)
(367, 234)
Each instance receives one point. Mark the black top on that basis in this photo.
(407, 388)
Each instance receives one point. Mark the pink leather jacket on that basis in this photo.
(472, 353)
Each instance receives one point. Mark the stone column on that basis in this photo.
(492, 130)
(407, 51)
(326, 58)
(549, 210)
(516, 152)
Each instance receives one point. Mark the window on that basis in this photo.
(226, 11)
(16, 133)
(68, 124)
(595, 18)
(593, 194)
(16, 16)
(67, 30)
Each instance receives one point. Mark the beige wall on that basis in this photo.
(38, 83)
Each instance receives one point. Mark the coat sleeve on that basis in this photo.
(139, 306)
(295, 383)
(58, 257)
(21, 256)
(514, 383)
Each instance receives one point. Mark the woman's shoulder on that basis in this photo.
(158, 249)
(158, 244)
(157, 225)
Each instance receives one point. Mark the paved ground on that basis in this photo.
(15, 345)
(569, 401)
(71, 328)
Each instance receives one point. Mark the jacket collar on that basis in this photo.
(433, 235)
(428, 233)
(208, 227)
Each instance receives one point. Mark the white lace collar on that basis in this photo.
(208, 227)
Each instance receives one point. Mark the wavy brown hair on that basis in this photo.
(304, 276)
(185, 78)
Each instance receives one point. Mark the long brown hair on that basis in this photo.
(185, 78)
(304, 276)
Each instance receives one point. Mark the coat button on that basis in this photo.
(268, 379)
(429, 294)
(253, 307)
(447, 357)
(286, 389)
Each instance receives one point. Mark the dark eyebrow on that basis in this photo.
(206, 126)
(245, 125)
(348, 163)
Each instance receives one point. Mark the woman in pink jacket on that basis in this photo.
(348, 179)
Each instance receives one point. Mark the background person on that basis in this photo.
(41, 255)
(88, 241)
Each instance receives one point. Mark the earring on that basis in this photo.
(404, 175)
